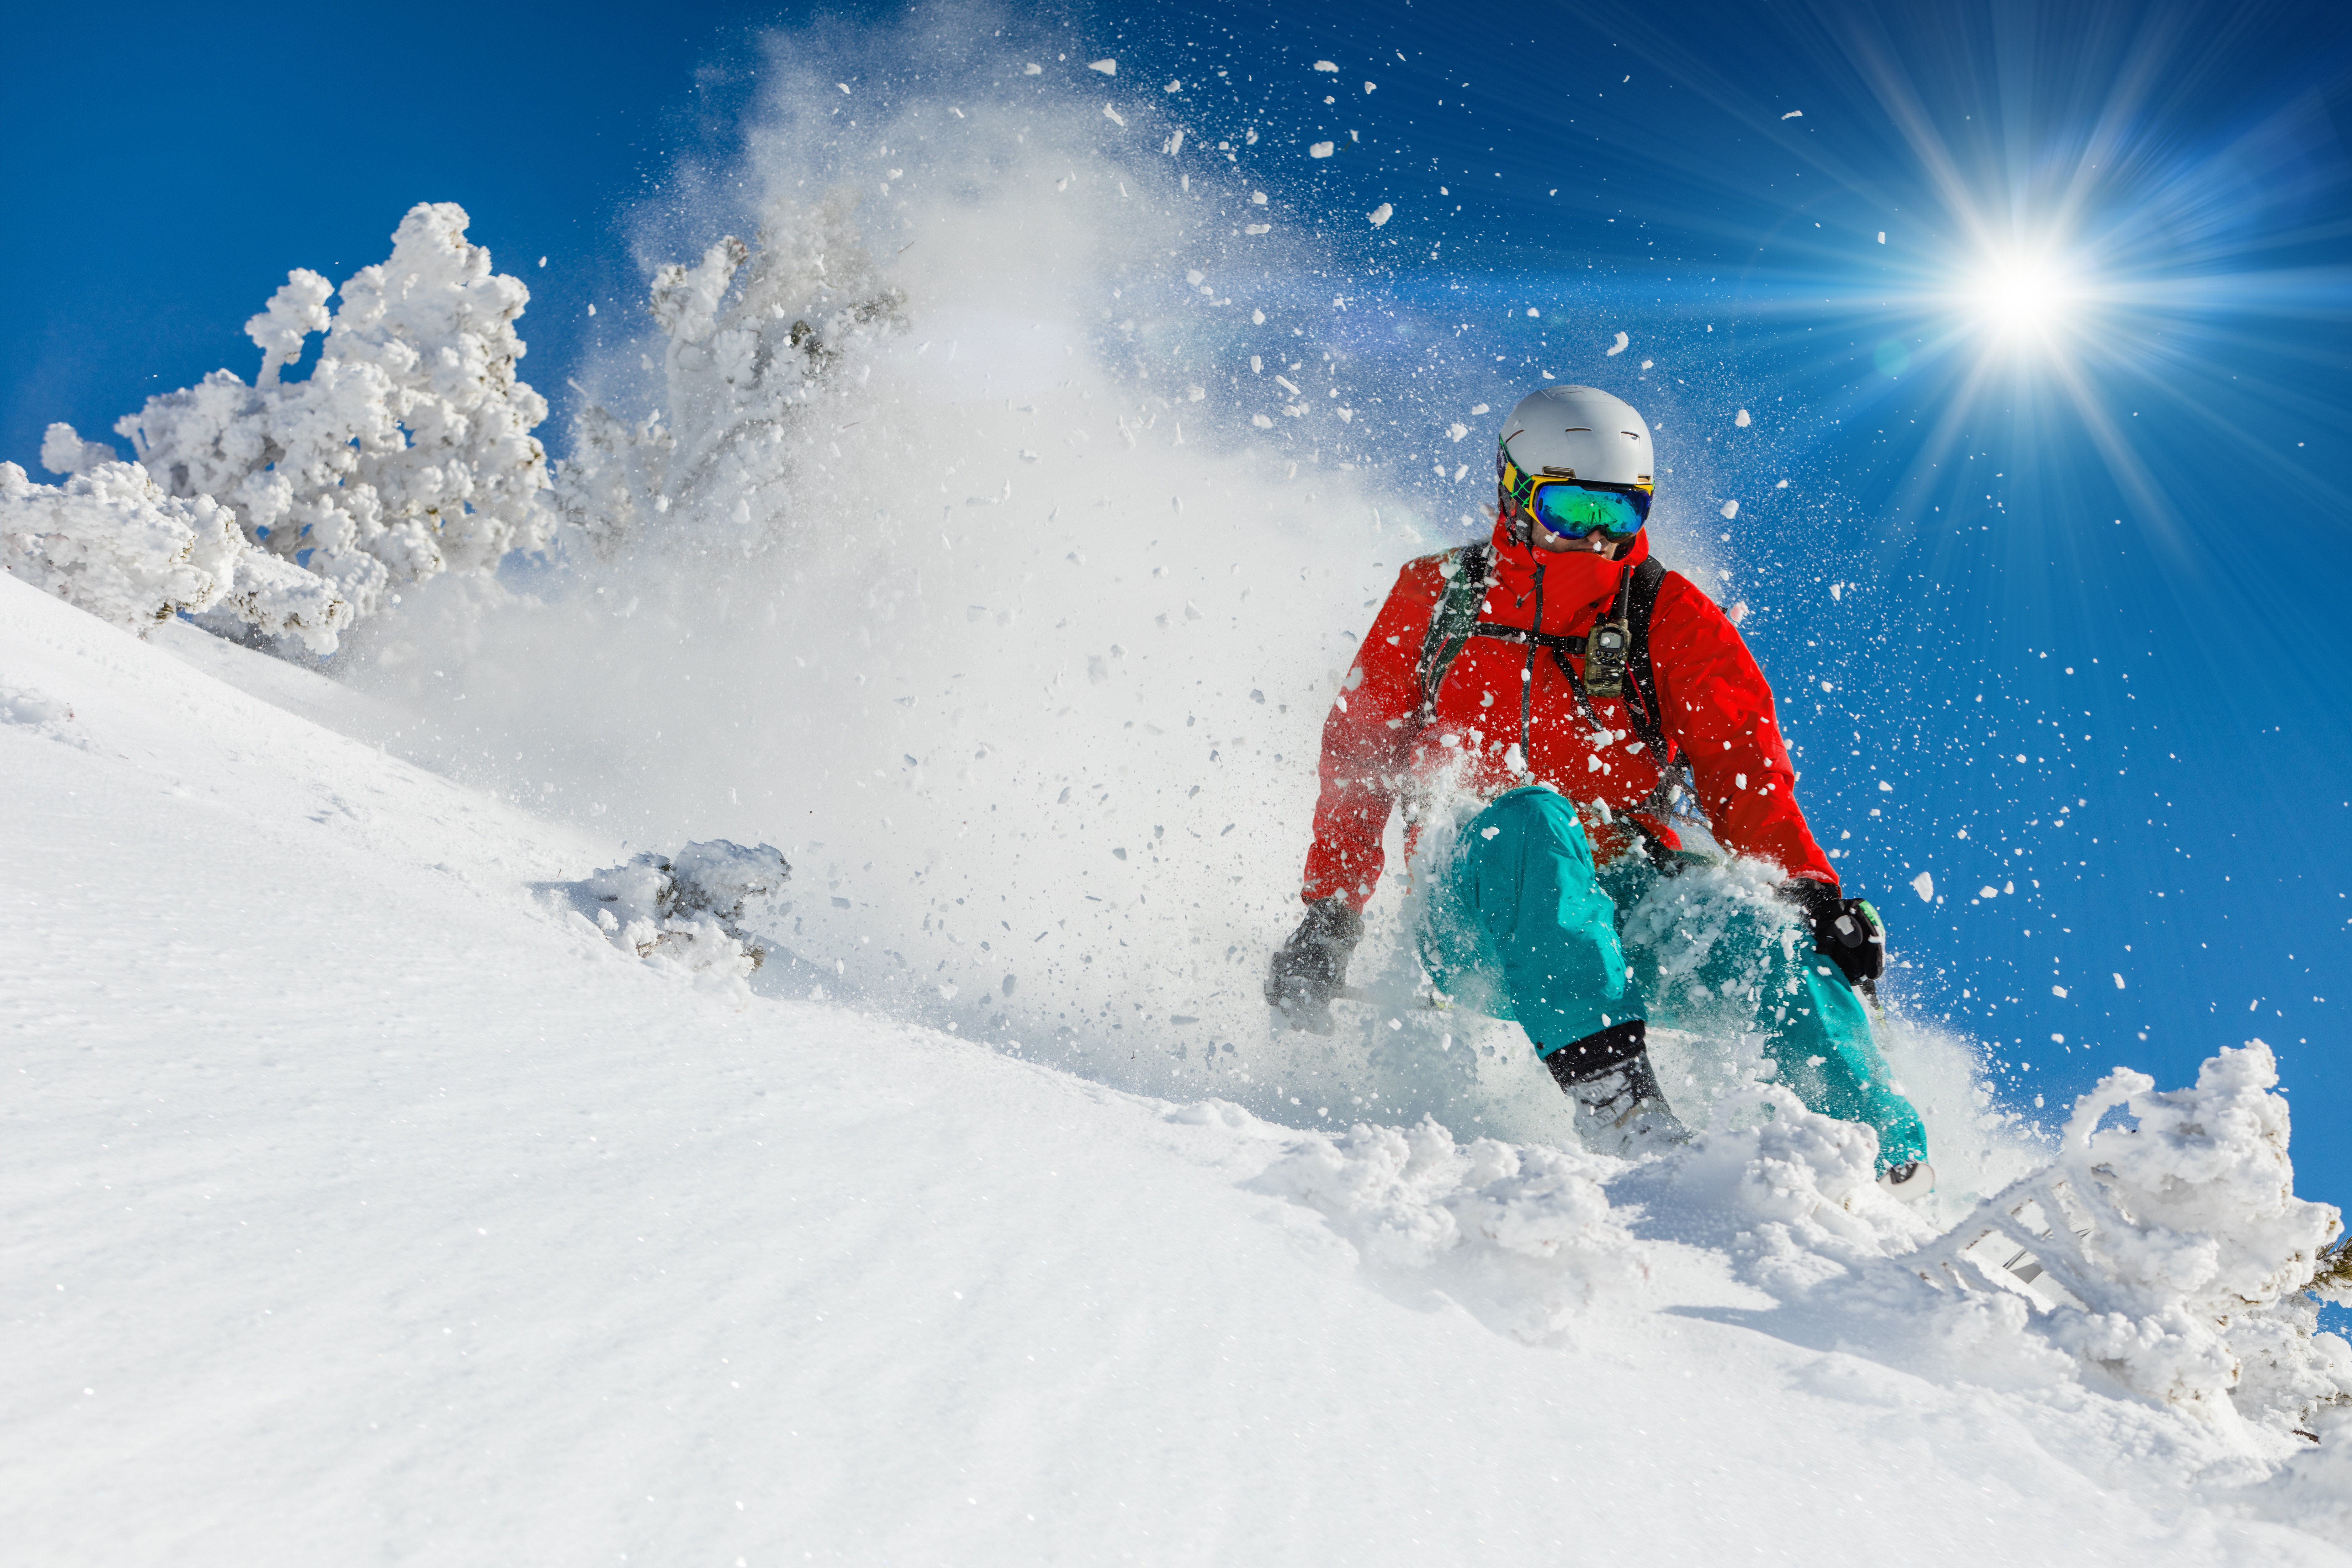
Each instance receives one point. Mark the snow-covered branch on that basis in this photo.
(111, 541)
(2165, 1244)
(756, 334)
(700, 911)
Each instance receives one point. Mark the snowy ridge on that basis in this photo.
(361, 1206)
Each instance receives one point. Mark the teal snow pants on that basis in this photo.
(1521, 924)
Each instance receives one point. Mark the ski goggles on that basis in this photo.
(1571, 509)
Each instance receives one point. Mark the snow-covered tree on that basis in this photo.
(756, 334)
(408, 450)
(111, 541)
(2170, 1243)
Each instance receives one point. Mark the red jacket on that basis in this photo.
(1715, 709)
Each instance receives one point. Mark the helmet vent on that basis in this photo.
(1559, 473)
(1572, 429)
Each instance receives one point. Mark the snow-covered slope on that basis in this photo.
(362, 1203)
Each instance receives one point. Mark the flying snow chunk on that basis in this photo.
(1988, 892)
(1320, 150)
(2059, 991)
(1257, 318)
(1255, 227)
(845, 87)
(1457, 430)
(1621, 345)
(1533, 312)
(1109, 67)
(1794, 114)
(1742, 420)
(1371, 87)
(1381, 213)
(1925, 886)
(1261, 421)
(1113, 115)
(2119, 981)
(1033, 68)
(1781, 485)
(1173, 87)
(1731, 509)
(1194, 276)
(1325, 66)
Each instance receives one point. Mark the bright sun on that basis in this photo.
(2023, 293)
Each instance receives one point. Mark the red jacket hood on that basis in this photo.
(1574, 581)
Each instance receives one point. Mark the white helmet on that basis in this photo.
(1580, 433)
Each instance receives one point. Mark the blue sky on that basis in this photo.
(2088, 630)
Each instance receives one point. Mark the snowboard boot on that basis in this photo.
(1620, 1108)
(1911, 1181)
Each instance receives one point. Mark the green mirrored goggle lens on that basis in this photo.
(1573, 510)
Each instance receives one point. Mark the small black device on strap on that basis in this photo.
(1453, 621)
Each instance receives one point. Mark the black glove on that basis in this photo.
(1309, 969)
(1847, 930)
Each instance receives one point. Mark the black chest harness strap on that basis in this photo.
(1615, 654)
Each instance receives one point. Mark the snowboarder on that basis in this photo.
(1539, 704)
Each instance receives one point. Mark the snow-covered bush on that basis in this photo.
(757, 333)
(408, 451)
(1529, 1228)
(2169, 1249)
(111, 541)
(695, 908)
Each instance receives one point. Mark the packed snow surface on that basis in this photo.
(366, 1202)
